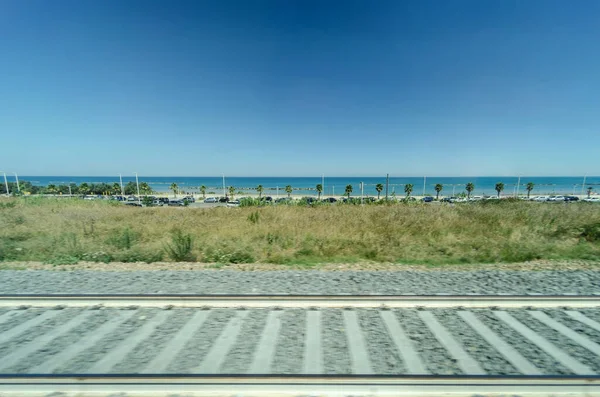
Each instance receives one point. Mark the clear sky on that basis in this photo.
(299, 88)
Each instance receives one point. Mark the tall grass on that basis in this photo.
(69, 230)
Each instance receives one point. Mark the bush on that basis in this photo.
(123, 239)
(227, 255)
(254, 217)
(62, 259)
(591, 232)
(180, 249)
(131, 256)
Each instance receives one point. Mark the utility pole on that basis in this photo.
(224, 192)
(121, 181)
(424, 182)
(518, 184)
(323, 183)
(582, 185)
(17, 179)
(138, 188)
(387, 184)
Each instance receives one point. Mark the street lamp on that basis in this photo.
(17, 179)
(518, 185)
(582, 185)
(224, 192)
(121, 181)
(138, 188)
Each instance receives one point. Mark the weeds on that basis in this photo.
(486, 232)
(124, 238)
(180, 249)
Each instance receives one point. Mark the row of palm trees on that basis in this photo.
(408, 189)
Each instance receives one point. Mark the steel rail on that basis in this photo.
(304, 301)
(380, 385)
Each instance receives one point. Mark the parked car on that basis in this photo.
(163, 200)
(427, 199)
(176, 203)
(330, 200)
(447, 199)
(233, 203)
(223, 199)
(476, 198)
(592, 200)
(211, 200)
(556, 198)
(134, 204)
(189, 199)
(541, 198)
(571, 198)
(283, 200)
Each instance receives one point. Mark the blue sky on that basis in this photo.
(297, 88)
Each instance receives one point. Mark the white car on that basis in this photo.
(592, 200)
(556, 198)
(234, 203)
(541, 198)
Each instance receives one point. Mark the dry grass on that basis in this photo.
(64, 231)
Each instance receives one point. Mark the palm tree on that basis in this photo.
(499, 187)
(438, 188)
(203, 191)
(348, 190)
(174, 188)
(51, 189)
(469, 188)
(288, 190)
(589, 190)
(84, 188)
(231, 192)
(408, 188)
(529, 188)
(319, 190)
(379, 188)
(259, 189)
(145, 188)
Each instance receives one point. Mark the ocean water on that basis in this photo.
(336, 185)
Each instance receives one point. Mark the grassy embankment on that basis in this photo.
(66, 231)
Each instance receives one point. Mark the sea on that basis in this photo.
(335, 186)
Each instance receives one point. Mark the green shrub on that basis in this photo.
(591, 232)
(254, 217)
(135, 255)
(228, 255)
(180, 249)
(62, 259)
(123, 239)
(99, 256)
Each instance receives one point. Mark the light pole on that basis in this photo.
(323, 183)
(518, 185)
(453, 187)
(138, 188)
(424, 182)
(583, 184)
(362, 187)
(121, 182)
(5, 183)
(224, 192)
(17, 179)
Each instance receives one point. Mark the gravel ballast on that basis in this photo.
(234, 341)
(486, 282)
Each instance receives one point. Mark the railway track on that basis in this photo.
(299, 345)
